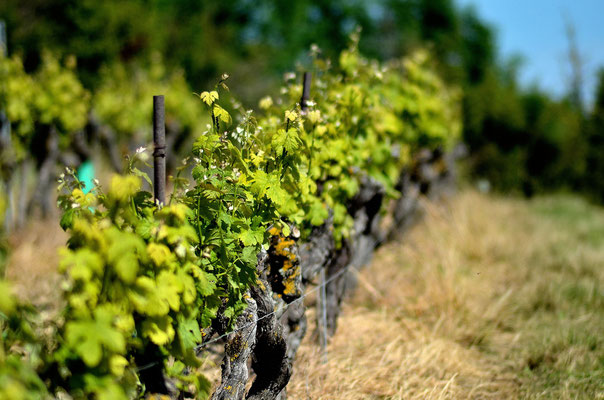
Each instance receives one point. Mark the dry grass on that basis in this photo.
(450, 313)
(33, 262)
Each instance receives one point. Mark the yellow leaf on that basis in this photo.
(158, 253)
(266, 102)
(314, 116)
(123, 187)
(117, 364)
(159, 330)
(209, 97)
(222, 114)
(291, 115)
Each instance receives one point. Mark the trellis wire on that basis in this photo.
(323, 324)
(159, 173)
(284, 308)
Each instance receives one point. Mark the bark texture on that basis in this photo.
(237, 351)
(289, 268)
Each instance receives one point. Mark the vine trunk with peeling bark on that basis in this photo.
(281, 323)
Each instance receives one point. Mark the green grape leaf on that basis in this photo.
(222, 114)
(291, 115)
(159, 253)
(117, 365)
(251, 237)
(81, 264)
(143, 175)
(123, 187)
(249, 256)
(169, 288)
(285, 228)
(67, 219)
(189, 333)
(206, 283)
(145, 229)
(158, 329)
(317, 213)
(127, 267)
(208, 313)
(189, 293)
(146, 299)
(89, 338)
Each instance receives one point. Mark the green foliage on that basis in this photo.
(133, 279)
(254, 40)
(17, 93)
(523, 140)
(257, 41)
(59, 98)
(266, 171)
(594, 180)
(140, 275)
(122, 103)
(4, 246)
(19, 350)
(53, 96)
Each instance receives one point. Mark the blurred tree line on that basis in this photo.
(519, 139)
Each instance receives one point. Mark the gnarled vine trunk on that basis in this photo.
(270, 342)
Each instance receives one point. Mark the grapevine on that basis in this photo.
(143, 282)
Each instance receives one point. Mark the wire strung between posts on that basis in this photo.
(284, 308)
(375, 245)
(323, 327)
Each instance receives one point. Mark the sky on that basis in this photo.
(535, 30)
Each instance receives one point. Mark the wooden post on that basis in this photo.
(305, 92)
(159, 150)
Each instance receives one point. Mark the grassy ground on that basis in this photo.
(486, 298)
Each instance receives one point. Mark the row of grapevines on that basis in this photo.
(54, 96)
(121, 100)
(141, 278)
